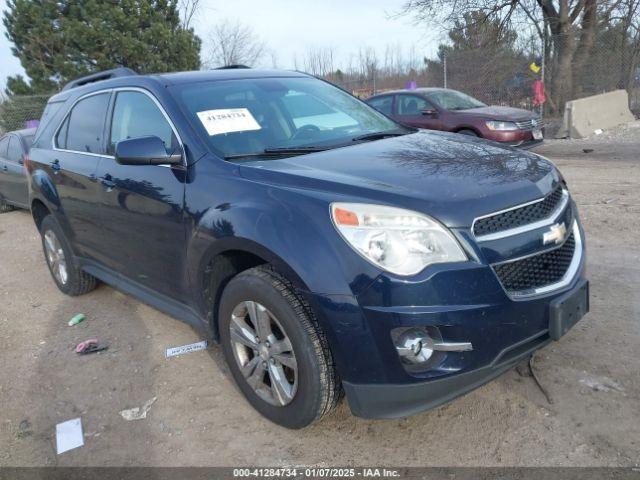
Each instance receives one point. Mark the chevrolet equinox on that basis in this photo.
(327, 248)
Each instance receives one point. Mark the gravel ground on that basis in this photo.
(200, 419)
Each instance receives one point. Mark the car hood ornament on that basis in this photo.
(556, 234)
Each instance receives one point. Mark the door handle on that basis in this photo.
(5, 168)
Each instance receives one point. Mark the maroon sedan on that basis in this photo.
(453, 111)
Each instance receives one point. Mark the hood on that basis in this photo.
(496, 112)
(453, 178)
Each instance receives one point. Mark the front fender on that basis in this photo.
(289, 230)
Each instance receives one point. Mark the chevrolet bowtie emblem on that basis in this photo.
(555, 234)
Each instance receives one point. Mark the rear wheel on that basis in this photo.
(69, 278)
(5, 207)
(276, 352)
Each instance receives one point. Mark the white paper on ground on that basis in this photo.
(69, 435)
(192, 347)
(228, 120)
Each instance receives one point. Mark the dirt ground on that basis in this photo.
(200, 418)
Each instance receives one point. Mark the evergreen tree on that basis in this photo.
(59, 40)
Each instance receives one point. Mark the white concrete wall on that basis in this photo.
(584, 116)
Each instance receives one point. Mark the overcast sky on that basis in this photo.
(291, 26)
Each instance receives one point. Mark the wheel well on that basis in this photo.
(39, 211)
(217, 274)
(469, 129)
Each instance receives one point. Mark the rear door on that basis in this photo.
(79, 147)
(14, 173)
(142, 224)
(383, 103)
(416, 111)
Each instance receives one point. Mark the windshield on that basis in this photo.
(454, 100)
(252, 116)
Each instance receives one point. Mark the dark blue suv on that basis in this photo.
(327, 248)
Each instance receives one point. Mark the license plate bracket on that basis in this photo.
(537, 134)
(567, 310)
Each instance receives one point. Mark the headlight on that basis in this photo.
(399, 241)
(494, 125)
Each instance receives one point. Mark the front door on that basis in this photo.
(4, 145)
(415, 111)
(79, 148)
(143, 229)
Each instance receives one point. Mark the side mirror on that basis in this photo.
(430, 112)
(146, 151)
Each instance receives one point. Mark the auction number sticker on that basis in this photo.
(228, 120)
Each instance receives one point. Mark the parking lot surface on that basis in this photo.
(200, 419)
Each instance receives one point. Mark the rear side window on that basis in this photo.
(83, 128)
(15, 150)
(4, 143)
(136, 115)
(382, 104)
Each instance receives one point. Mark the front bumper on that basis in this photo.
(515, 138)
(464, 301)
(401, 400)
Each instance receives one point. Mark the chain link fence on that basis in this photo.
(504, 76)
(18, 112)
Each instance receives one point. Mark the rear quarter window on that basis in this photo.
(83, 129)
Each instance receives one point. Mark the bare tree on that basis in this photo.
(232, 43)
(188, 10)
(568, 27)
(319, 61)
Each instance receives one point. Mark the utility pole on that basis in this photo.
(444, 60)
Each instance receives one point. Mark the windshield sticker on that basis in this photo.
(228, 120)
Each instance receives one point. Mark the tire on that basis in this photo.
(74, 282)
(469, 133)
(5, 207)
(313, 387)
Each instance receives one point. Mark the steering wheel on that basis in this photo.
(304, 131)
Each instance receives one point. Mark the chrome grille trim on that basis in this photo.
(568, 277)
(523, 228)
(529, 124)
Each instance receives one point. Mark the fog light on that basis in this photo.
(417, 345)
(414, 346)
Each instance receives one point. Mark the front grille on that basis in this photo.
(519, 216)
(538, 270)
(529, 124)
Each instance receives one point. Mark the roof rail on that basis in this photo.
(231, 67)
(99, 76)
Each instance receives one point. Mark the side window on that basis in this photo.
(83, 129)
(4, 143)
(15, 150)
(136, 115)
(382, 104)
(412, 105)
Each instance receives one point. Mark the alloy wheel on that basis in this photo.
(263, 353)
(55, 257)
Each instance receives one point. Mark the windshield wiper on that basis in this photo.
(378, 135)
(278, 151)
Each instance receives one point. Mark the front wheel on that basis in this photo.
(275, 350)
(469, 133)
